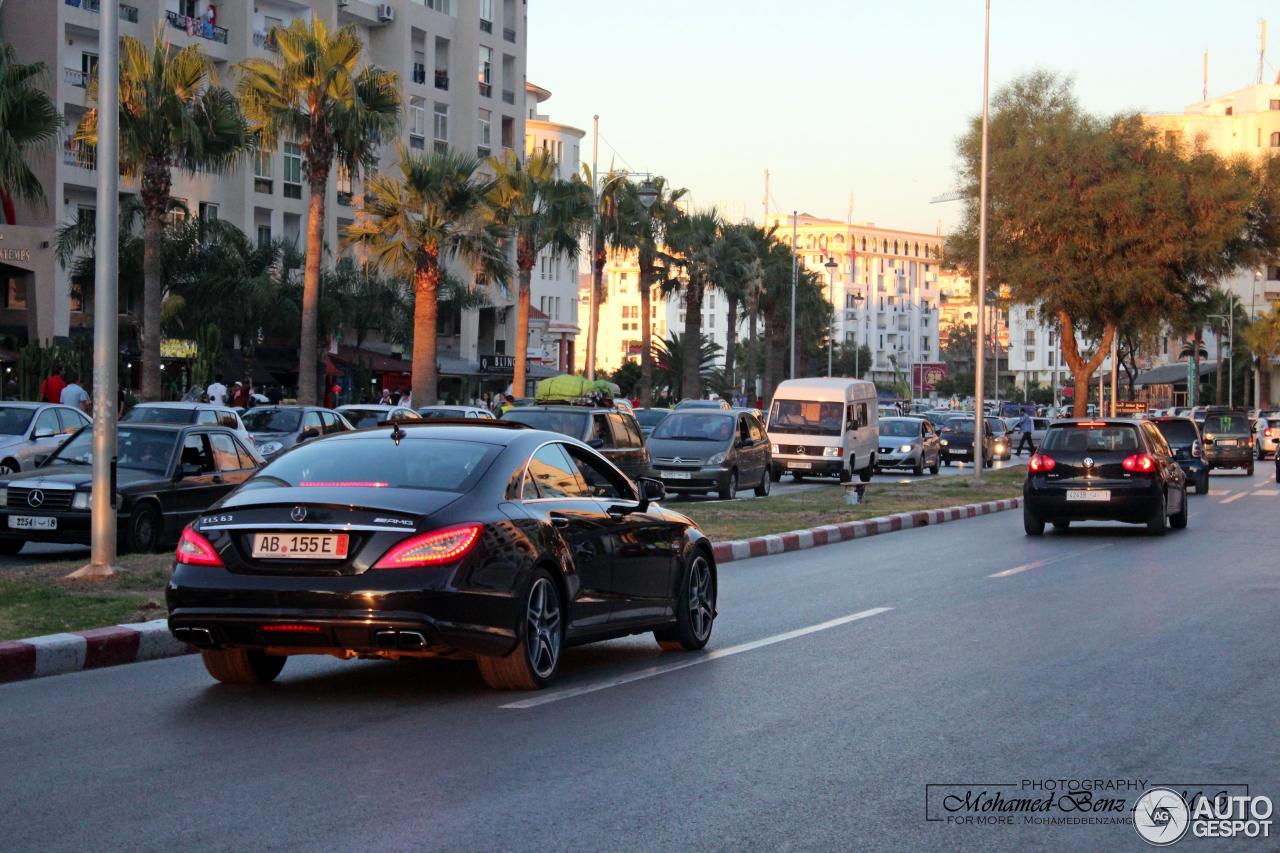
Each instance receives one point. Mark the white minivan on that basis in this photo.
(824, 427)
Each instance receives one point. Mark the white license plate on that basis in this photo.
(1100, 495)
(33, 522)
(301, 546)
(677, 475)
(803, 466)
(1226, 442)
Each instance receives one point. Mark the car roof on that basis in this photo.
(25, 404)
(901, 418)
(177, 404)
(494, 432)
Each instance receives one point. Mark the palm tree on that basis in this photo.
(738, 272)
(28, 119)
(1262, 337)
(690, 254)
(642, 230)
(172, 114)
(436, 211)
(612, 186)
(315, 93)
(669, 360)
(543, 214)
(762, 239)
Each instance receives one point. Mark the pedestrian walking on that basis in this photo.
(217, 392)
(1026, 426)
(508, 403)
(51, 387)
(75, 396)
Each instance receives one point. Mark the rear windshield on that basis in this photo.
(690, 426)
(568, 423)
(899, 429)
(1231, 423)
(962, 426)
(158, 415)
(361, 418)
(651, 417)
(419, 463)
(805, 417)
(442, 413)
(1071, 438)
(1177, 433)
(272, 420)
(13, 421)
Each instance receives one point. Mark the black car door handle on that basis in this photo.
(559, 521)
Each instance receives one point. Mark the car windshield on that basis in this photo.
(141, 449)
(158, 415)
(377, 462)
(960, 426)
(14, 420)
(1179, 433)
(1100, 439)
(998, 426)
(700, 404)
(361, 418)
(1232, 424)
(900, 429)
(552, 420)
(651, 417)
(806, 417)
(272, 420)
(690, 426)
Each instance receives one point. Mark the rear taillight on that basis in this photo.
(432, 549)
(1266, 433)
(1141, 463)
(1195, 448)
(195, 550)
(1041, 464)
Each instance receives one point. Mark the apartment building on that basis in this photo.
(462, 68)
(619, 334)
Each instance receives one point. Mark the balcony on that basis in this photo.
(441, 145)
(264, 40)
(483, 151)
(344, 198)
(75, 77)
(127, 12)
(486, 26)
(509, 34)
(486, 90)
(419, 73)
(78, 154)
(263, 185)
(196, 27)
(442, 79)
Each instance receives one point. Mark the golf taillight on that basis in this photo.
(1041, 464)
(1195, 449)
(195, 550)
(1140, 463)
(431, 549)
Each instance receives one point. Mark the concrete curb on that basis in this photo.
(57, 654)
(830, 534)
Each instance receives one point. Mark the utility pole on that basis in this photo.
(979, 415)
(1205, 91)
(106, 349)
(795, 274)
(764, 223)
(593, 317)
(1115, 369)
(1262, 48)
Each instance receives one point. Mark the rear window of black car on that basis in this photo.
(1100, 439)
(272, 420)
(1177, 433)
(434, 464)
(1231, 424)
(567, 423)
(158, 415)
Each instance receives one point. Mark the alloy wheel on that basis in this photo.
(702, 598)
(544, 627)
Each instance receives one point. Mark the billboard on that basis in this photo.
(925, 376)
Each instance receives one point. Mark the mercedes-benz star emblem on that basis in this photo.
(35, 497)
(1088, 462)
(299, 513)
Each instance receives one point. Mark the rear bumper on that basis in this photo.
(1130, 501)
(73, 527)
(1228, 457)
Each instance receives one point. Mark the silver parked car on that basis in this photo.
(362, 415)
(909, 443)
(181, 413)
(1266, 433)
(29, 432)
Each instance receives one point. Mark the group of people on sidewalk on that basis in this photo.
(63, 386)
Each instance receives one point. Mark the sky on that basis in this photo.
(857, 102)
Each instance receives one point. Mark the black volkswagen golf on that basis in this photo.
(1104, 470)
(438, 538)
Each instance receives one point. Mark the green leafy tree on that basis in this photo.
(1096, 221)
(434, 212)
(1262, 337)
(738, 273)
(610, 187)
(173, 114)
(670, 370)
(543, 214)
(316, 93)
(29, 119)
(691, 260)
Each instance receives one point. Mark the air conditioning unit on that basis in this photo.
(386, 12)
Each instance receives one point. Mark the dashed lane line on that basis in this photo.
(1026, 567)
(1233, 498)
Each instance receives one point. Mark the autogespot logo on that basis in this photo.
(1161, 816)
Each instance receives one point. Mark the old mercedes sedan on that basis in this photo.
(485, 539)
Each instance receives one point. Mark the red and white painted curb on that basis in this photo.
(830, 534)
(57, 654)
(61, 653)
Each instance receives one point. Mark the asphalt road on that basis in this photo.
(839, 682)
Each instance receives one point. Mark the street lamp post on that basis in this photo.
(857, 347)
(831, 291)
(978, 412)
(1230, 317)
(795, 273)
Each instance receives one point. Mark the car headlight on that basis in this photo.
(773, 448)
(716, 459)
(833, 451)
(906, 448)
(945, 443)
(270, 447)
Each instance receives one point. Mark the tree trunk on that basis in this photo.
(308, 337)
(731, 342)
(776, 345)
(597, 287)
(426, 281)
(1081, 368)
(523, 276)
(691, 382)
(752, 335)
(646, 332)
(152, 294)
(8, 207)
(1264, 384)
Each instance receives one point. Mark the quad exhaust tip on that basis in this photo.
(199, 637)
(405, 641)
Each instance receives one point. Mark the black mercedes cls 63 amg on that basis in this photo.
(483, 539)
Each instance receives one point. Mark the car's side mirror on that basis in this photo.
(595, 443)
(651, 490)
(309, 433)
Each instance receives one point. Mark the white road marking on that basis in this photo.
(715, 654)
(1268, 492)
(1026, 567)
(1233, 498)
